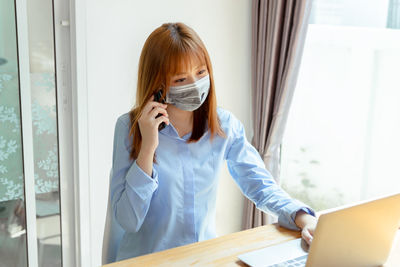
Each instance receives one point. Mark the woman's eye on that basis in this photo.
(180, 80)
(202, 71)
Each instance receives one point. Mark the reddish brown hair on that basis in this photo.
(170, 49)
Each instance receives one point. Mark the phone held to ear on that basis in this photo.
(158, 98)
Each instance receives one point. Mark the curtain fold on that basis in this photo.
(278, 33)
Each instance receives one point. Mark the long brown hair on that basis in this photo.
(168, 50)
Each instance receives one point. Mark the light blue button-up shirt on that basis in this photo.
(176, 205)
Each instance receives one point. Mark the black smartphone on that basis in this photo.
(158, 98)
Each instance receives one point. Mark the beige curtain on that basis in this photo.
(278, 34)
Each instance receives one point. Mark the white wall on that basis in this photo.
(116, 32)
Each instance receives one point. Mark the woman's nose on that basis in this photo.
(191, 79)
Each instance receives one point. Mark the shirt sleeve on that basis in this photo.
(255, 181)
(131, 189)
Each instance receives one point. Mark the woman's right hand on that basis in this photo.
(148, 124)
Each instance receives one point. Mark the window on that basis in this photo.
(341, 142)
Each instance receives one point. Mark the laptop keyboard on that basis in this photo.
(296, 262)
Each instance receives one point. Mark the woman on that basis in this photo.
(164, 183)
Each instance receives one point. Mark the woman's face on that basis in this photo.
(198, 70)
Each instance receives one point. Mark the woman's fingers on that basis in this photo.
(161, 119)
(307, 236)
(151, 105)
(156, 110)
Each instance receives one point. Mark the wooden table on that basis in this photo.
(223, 251)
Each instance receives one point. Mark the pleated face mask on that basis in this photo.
(189, 96)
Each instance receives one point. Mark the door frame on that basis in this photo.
(69, 25)
(73, 125)
(21, 23)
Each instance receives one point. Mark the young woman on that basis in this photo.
(164, 183)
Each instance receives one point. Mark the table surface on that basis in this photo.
(223, 251)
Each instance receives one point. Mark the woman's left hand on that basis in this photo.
(307, 233)
(307, 223)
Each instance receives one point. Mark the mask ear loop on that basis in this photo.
(159, 94)
(164, 94)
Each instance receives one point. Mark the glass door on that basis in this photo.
(44, 130)
(13, 245)
(30, 217)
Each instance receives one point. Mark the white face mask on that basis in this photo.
(189, 96)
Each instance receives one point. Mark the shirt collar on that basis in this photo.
(171, 131)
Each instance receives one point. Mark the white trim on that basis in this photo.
(65, 133)
(80, 131)
(27, 137)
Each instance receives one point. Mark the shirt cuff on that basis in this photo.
(306, 210)
(287, 218)
(140, 182)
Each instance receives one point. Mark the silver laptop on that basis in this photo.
(355, 235)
